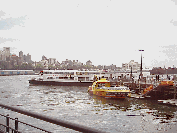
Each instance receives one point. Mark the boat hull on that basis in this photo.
(104, 89)
(102, 94)
(82, 83)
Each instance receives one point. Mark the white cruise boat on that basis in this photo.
(65, 77)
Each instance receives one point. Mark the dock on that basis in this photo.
(137, 96)
(172, 102)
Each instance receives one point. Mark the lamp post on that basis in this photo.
(131, 78)
(140, 72)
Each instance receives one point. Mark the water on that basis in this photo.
(75, 105)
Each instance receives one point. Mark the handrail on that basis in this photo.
(23, 123)
(1, 131)
(66, 124)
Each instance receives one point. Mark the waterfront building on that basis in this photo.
(110, 67)
(124, 66)
(132, 64)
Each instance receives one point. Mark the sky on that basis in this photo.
(103, 31)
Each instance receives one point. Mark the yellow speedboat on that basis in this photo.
(103, 88)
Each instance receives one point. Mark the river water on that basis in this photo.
(75, 105)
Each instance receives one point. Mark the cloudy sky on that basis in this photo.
(103, 31)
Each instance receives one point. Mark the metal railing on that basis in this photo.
(63, 123)
(8, 128)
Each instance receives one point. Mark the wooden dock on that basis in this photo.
(136, 96)
(168, 102)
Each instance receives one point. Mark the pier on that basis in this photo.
(172, 102)
(16, 72)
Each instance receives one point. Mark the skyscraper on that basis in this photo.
(0, 55)
(6, 54)
(20, 54)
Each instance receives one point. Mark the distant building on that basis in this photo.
(74, 63)
(21, 58)
(44, 64)
(79, 63)
(44, 57)
(89, 63)
(52, 61)
(125, 66)
(67, 62)
(111, 67)
(0, 55)
(20, 54)
(27, 58)
(134, 65)
(15, 59)
(5, 54)
(99, 67)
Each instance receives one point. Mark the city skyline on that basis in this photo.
(12, 61)
(105, 32)
(7, 55)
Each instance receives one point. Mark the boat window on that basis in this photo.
(78, 73)
(81, 78)
(101, 85)
(87, 78)
(50, 78)
(57, 73)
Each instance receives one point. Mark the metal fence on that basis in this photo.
(63, 123)
(7, 128)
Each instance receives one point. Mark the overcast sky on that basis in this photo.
(103, 31)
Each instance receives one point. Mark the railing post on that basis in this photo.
(16, 124)
(7, 123)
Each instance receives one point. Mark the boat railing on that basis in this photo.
(113, 88)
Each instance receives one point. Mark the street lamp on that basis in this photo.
(140, 72)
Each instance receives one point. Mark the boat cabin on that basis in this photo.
(74, 75)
